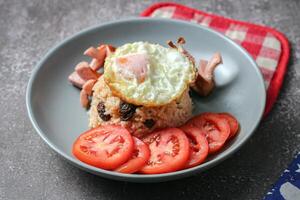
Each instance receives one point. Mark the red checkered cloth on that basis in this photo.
(269, 48)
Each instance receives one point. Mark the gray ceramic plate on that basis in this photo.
(53, 104)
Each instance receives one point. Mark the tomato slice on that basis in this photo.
(198, 145)
(169, 149)
(105, 147)
(139, 158)
(233, 123)
(216, 129)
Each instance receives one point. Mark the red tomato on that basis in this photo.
(198, 145)
(169, 151)
(105, 147)
(216, 129)
(139, 158)
(233, 123)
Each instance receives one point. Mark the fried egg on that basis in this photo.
(148, 74)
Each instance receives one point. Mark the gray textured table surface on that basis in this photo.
(29, 169)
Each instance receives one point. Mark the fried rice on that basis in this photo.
(107, 109)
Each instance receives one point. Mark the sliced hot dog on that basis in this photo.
(98, 53)
(204, 83)
(88, 86)
(85, 72)
(84, 99)
(95, 64)
(109, 49)
(76, 80)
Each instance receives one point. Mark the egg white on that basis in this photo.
(169, 74)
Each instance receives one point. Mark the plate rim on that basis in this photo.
(138, 177)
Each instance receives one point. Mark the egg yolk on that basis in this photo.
(133, 66)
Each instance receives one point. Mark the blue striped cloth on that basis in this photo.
(288, 185)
